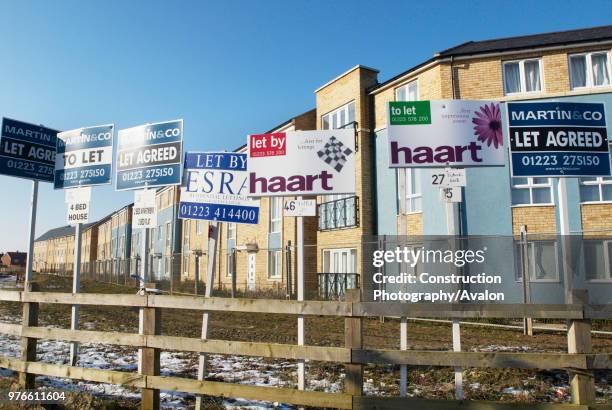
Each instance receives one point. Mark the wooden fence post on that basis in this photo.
(28, 344)
(353, 339)
(582, 383)
(151, 325)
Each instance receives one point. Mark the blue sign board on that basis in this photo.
(216, 188)
(149, 155)
(84, 157)
(27, 150)
(558, 139)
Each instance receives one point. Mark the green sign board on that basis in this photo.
(409, 112)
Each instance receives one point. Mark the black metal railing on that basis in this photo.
(338, 214)
(334, 285)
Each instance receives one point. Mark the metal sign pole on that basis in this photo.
(564, 231)
(213, 236)
(31, 235)
(76, 288)
(301, 368)
(451, 220)
(143, 279)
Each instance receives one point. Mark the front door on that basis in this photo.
(251, 271)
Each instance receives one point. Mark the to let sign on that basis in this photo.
(27, 150)
(215, 188)
(558, 139)
(84, 157)
(149, 155)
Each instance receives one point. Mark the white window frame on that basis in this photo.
(599, 182)
(523, 82)
(230, 264)
(406, 87)
(410, 195)
(275, 258)
(589, 69)
(199, 226)
(532, 265)
(337, 114)
(607, 265)
(231, 230)
(276, 222)
(332, 251)
(530, 186)
(168, 235)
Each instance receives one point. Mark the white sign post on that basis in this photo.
(302, 163)
(300, 207)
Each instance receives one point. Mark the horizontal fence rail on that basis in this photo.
(350, 356)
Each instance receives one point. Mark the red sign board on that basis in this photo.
(268, 145)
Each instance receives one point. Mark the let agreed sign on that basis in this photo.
(27, 150)
(149, 155)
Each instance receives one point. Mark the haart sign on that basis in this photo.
(302, 163)
(445, 132)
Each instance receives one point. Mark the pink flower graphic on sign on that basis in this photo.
(488, 126)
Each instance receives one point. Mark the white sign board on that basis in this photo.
(215, 188)
(448, 178)
(144, 213)
(302, 163)
(450, 194)
(445, 132)
(300, 207)
(77, 202)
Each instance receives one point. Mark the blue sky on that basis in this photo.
(229, 68)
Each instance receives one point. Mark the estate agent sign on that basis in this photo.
(302, 163)
(445, 132)
(558, 139)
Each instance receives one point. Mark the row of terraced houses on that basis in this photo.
(570, 65)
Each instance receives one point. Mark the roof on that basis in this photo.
(15, 254)
(557, 38)
(59, 232)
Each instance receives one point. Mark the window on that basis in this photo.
(524, 76)
(276, 214)
(159, 233)
(408, 92)
(597, 258)
(596, 189)
(168, 235)
(122, 246)
(589, 70)
(230, 263)
(339, 117)
(231, 231)
(411, 179)
(531, 191)
(542, 263)
(186, 247)
(275, 261)
(199, 226)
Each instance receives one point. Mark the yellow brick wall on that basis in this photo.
(412, 222)
(539, 219)
(350, 87)
(597, 219)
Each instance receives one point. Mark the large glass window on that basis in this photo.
(168, 235)
(409, 182)
(589, 70)
(596, 189)
(597, 258)
(276, 214)
(531, 191)
(339, 117)
(522, 76)
(408, 92)
(542, 263)
(340, 260)
(275, 264)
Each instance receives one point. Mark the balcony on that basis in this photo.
(333, 285)
(339, 214)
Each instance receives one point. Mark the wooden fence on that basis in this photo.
(579, 362)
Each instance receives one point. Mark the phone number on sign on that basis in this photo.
(566, 160)
(147, 174)
(82, 174)
(198, 211)
(29, 166)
